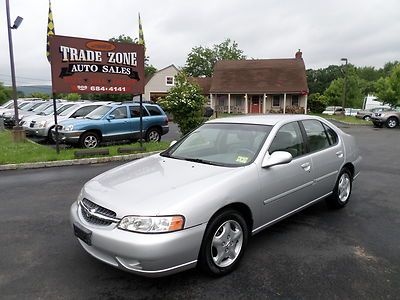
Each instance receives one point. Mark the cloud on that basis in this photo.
(366, 32)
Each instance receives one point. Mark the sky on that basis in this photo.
(366, 32)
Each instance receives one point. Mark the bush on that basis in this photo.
(317, 103)
(185, 102)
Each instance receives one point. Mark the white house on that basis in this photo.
(160, 83)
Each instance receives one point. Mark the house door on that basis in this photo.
(255, 105)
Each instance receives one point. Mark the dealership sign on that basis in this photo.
(99, 67)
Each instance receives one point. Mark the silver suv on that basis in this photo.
(390, 119)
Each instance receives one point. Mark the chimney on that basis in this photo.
(299, 55)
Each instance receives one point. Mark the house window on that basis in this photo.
(276, 101)
(169, 80)
(295, 100)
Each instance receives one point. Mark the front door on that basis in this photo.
(255, 107)
(287, 187)
(117, 126)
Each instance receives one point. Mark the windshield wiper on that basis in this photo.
(202, 161)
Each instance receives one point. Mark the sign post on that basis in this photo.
(87, 66)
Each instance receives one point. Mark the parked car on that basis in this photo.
(390, 119)
(42, 126)
(367, 114)
(329, 110)
(26, 108)
(115, 122)
(198, 202)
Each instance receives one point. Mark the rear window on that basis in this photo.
(154, 111)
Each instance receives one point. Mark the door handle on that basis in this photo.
(306, 167)
(339, 154)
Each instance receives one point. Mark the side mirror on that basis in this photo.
(277, 158)
(172, 143)
(110, 117)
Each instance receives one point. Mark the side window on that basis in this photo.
(317, 138)
(288, 138)
(332, 136)
(120, 113)
(154, 110)
(83, 111)
(135, 112)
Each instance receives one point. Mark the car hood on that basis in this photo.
(154, 185)
(76, 122)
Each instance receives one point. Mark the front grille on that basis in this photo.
(99, 210)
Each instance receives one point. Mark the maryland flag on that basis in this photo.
(50, 30)
(141, 36)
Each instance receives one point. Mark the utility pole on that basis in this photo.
(345, 86)
(18, 132)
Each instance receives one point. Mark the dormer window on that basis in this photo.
(169, 80)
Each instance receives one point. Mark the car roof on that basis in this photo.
(271, 119)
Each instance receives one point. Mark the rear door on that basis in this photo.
(326, 153)
(134, 121)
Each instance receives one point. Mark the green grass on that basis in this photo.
(347, 119)
(13, 153)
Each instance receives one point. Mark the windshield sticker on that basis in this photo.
(242, 159)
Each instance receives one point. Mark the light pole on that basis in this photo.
(18, 133)
(345, 85)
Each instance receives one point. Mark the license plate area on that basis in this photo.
(83, 234)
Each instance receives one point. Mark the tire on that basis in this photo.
(89, 140)
(367, 118)
(50, 139)
(153, 135)
(392, 122)
(342, 191)
(224, 243)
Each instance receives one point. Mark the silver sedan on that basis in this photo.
(198, 202)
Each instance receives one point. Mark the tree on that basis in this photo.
(388, 89)
(40, 95)
(319, 80)
(201, 60)
(317, 102)
(5, 93)
(335, 91)
(186, 102)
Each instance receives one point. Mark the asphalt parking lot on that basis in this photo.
(353, 253)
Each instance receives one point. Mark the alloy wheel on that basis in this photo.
(227, 243)
(90, 141)
(154, 136)
(344, 187)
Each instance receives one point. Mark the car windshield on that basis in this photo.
(22, 105)
(98, 113)
(222, 144)
(69, 110)
(41, 107)
(49, 110)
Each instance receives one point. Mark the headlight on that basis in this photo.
(69, 128)
(381, 115)
(152, 224)
(42, 124)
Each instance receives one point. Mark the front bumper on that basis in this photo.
(67, 136)
(42, 132)
(378, 121)
(150, 255)
(165, 129)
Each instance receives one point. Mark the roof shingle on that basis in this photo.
(260, 76)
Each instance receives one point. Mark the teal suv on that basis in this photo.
(114, 122)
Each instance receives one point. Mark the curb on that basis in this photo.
(73, 162)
